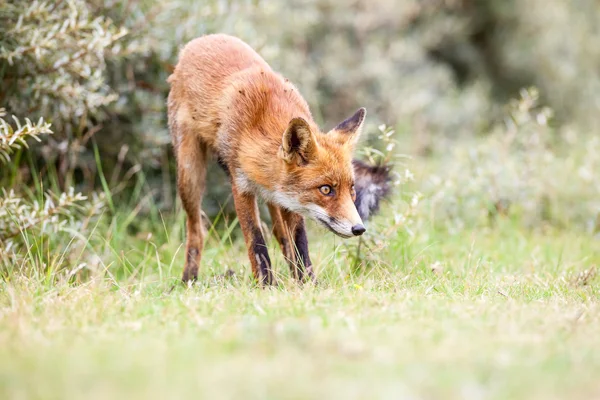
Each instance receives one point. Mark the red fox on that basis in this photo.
(225, 100)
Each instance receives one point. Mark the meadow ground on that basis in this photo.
(501, 312)
(478, 280)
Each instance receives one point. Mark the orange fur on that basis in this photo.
(226, 100)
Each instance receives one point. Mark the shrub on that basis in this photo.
(521, 169)
(27, 225)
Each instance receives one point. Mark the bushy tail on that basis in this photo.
(372, 183)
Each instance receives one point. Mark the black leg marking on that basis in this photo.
(262, 257)
(301, 244)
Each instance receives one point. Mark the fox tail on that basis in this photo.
(372, 184)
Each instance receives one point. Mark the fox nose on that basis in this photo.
(358, 230)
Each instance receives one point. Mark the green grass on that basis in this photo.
(499, 313)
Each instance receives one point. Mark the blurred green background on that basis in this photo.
(442, 73)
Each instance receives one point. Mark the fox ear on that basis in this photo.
(349, 131)
(298, 142)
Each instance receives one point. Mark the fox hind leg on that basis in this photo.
(191, 181)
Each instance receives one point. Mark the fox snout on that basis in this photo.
(344, 222)
(343, 228)
(358, 229)
(346, 228)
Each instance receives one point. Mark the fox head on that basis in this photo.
(319, 173)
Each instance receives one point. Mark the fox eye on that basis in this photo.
(326, 190)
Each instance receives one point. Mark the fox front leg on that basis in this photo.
(246, 208)
(289, 230)
(301, 248)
